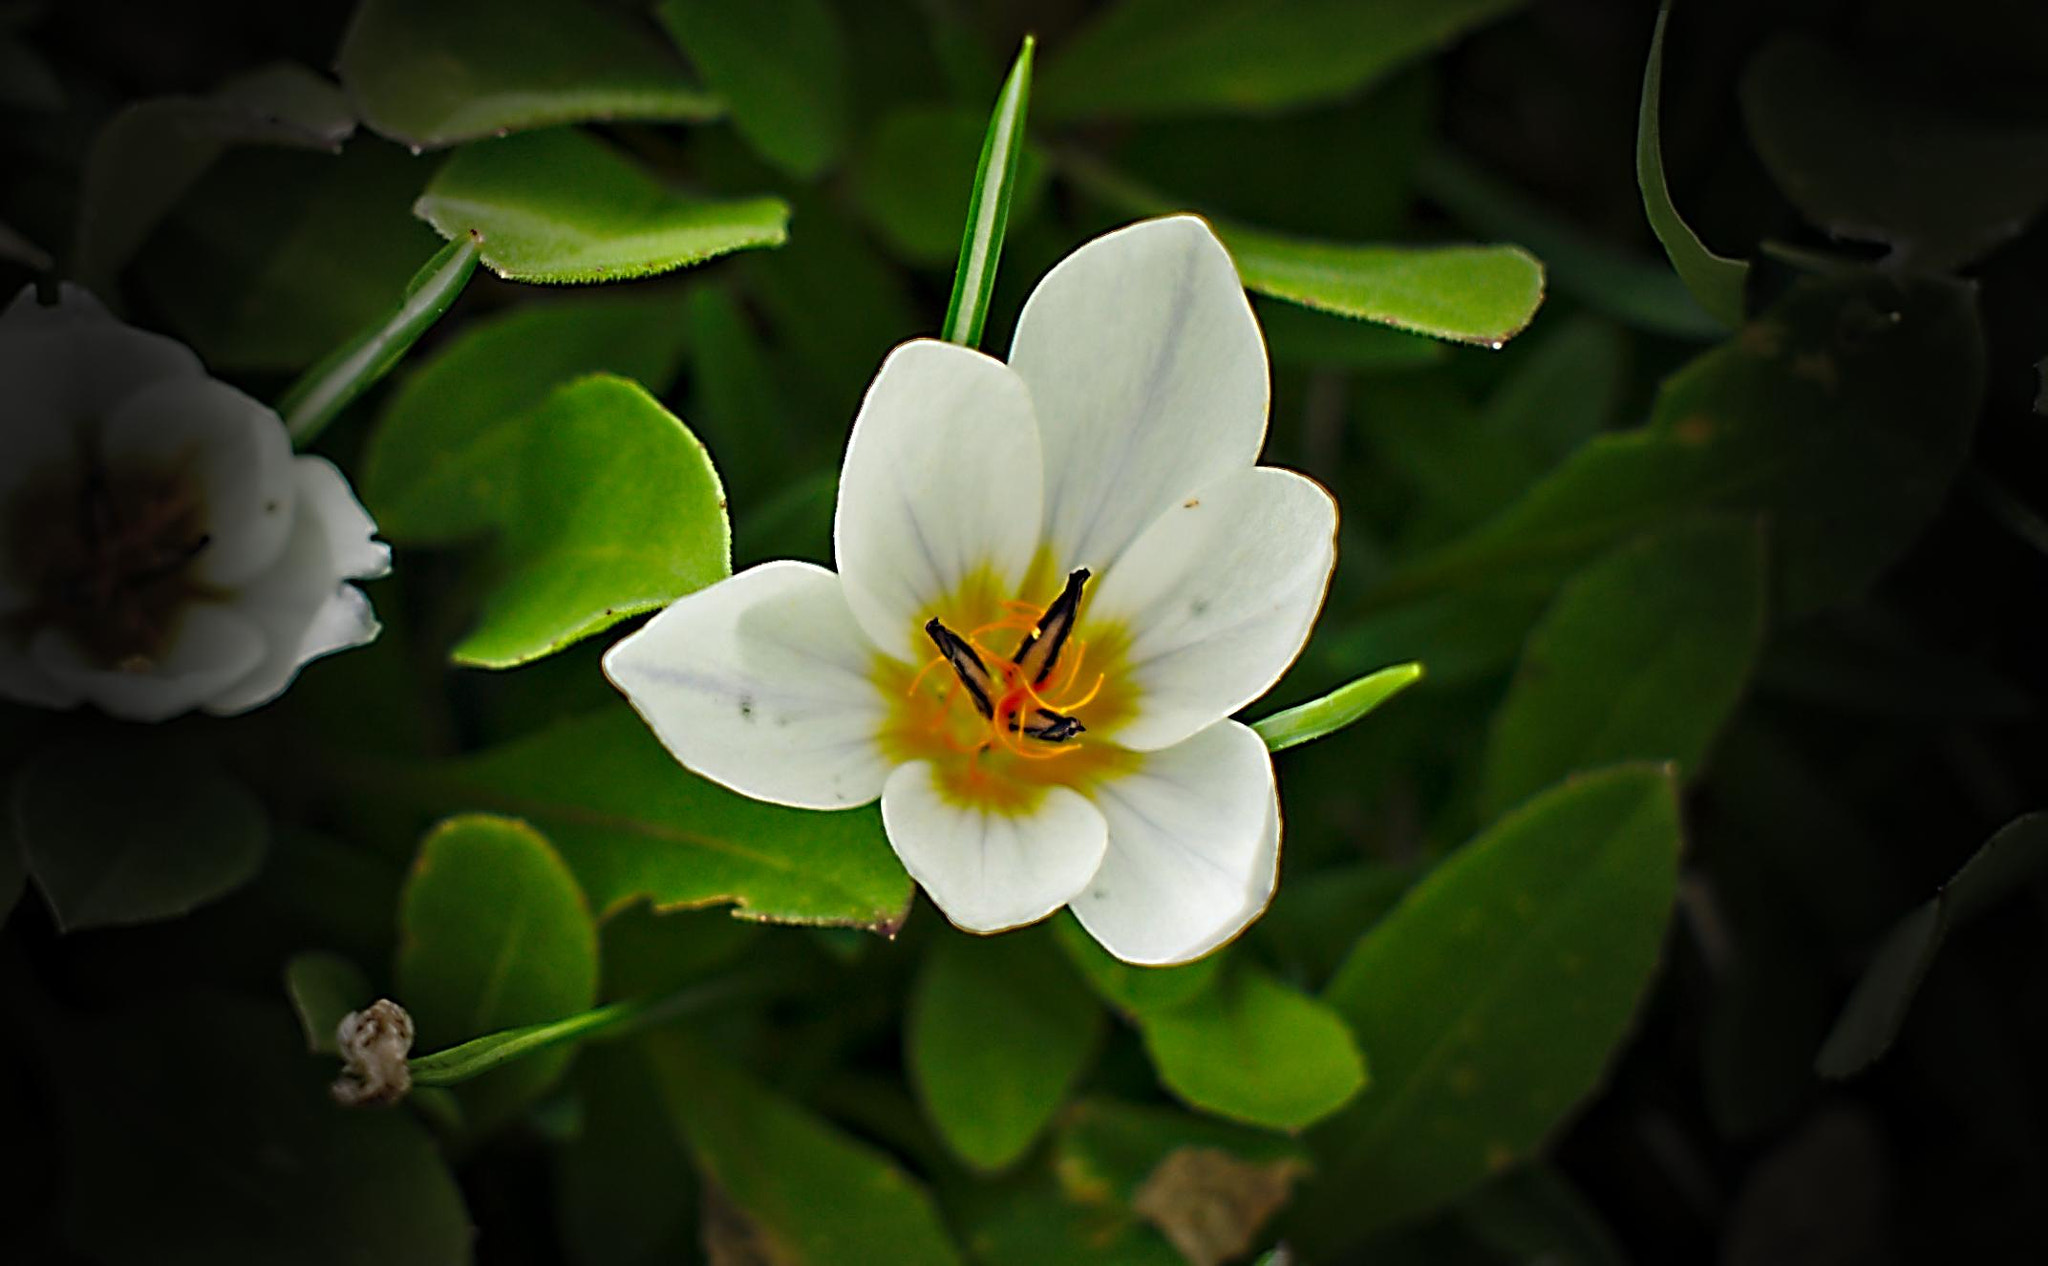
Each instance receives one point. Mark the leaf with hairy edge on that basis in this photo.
(560, 206)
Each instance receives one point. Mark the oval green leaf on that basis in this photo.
(1493, 996)
(560, 206)
(1255, 1050)
(433, 72)
(997, 1030)
(493, 934)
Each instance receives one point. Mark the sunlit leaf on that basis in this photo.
(493, 934)
(560, 206)
(1715, 280)
(1643, 656)
(1152, 57)
(1253, 1049)
(632, 823)
(997, 1030)
(433, 72)
(1492, 996)
(1876, 1010)
(1341, 707)
(323, 988)
(179, 835)
(811, 1193)
(1864, 160)
(780, 65)
(149, 155)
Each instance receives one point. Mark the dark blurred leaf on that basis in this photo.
(1632, 290)
(493, 934)
(1032, 1223)
(1108, 1149)
(915, 173)
(811, 1193)
(1877, 1008)
(444, 463)
(149, 155)
(647, 953)
(323, 988)
(736, 402)
(623, 1184)
(781, 67)
(16, 249)
(13, 869)
(1643, 656)
(559, 206)
(997, 1030)
(1863, 160)
(1535, 1215)
(632, 823)
(278, 257)
(1132, 990)
(200, 1133)
(178, 835)
(1153, 57)
(1843, 414)
(1493, 997)
(1317, 917)
(433, 72)
(1714, 280)
(1256, 1050)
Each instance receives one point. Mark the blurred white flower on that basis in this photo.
(1058, 577)
(161, 548)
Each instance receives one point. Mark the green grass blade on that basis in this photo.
(1714, 280)
(988, 210)
(1334, 711)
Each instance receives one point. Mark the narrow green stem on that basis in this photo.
(988, 208)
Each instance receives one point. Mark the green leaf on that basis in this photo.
(1876, 1009)
(323, 988)
(1108, 1149)
(1641, 294)
(220, 1144)
(1494, 994)
(632, 823)
(1255, 1050)
(781, 67)
(493, 933)
(1302, 336)
(1469, 294)
(148, 156)
(910, 171)
(1156, 57)
(998, 1029)
(1715, 280)
(354, 367)
(560, 206)
(988, 206)
(1534, 1215)
(812, 1193)
(1130, 989)
(433, 72)
(1864, 160)
(616, 509)
(625, 1193)
(1643, 656)
(1341, 707)
(277, 257)
(1843, 414)
(466, 1061)
(444, 463)
(1033, 1222)
(179, 835)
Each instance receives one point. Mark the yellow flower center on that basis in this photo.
(1015, 698)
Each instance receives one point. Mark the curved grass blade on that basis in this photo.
(1334, 711)
(351, 369)
(1715, 280)
(988, 209)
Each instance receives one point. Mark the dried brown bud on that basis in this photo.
(375, 1042)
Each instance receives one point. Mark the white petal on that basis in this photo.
(353, 550)
(237, 451)
(1148, 375)
(303, 602)
(990, 869)
(1194, 848)
(1217, 597)
(210, 649)
(763, 682)
(942, 479)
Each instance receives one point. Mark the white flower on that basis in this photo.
(161, 548)
(1089, 763)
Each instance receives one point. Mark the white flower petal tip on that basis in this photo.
(762, 683)
(989, 867)
(1194, 849)
(184, 558)
(940, 489)
(1149, 377)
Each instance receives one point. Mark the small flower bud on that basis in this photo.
(375, 1042)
